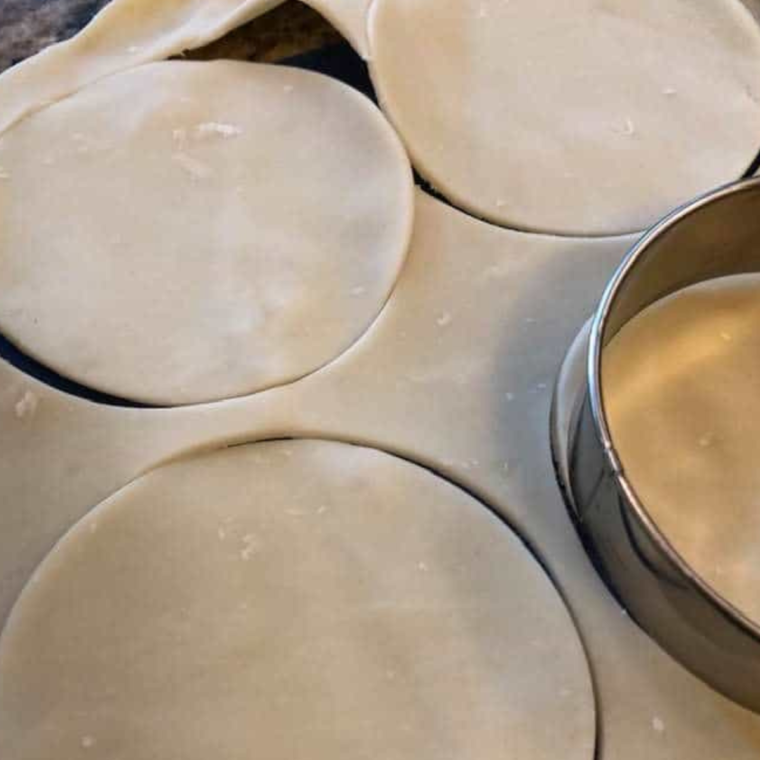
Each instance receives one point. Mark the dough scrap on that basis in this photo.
(586, 118)
(127, 33)
(185, 232)
(680, 386)
(306, 598)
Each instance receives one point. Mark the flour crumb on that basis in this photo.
(706, 440)
(726, 336)
(628, 128)
(500, 203)
(4, 173)
(444, 319)
(510, 397)
(210, 128)
(295, 512)
(422, 567)
(482, 11)
(133, 49)
(288, 88)
(530, 320)
(88, 742)
(539, 387)
(250, 547)
(669, 92)
(358, 291)
(221, 532)
(507, 467)
(93, 527)
(196, 169)
(179, 134)
(26, 406)
(322, 510)
(658, 725)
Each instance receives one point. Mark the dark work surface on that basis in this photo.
(27, 26)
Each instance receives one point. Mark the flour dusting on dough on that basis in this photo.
(211, 128)
(27, 405)
(706, 440)
(250, 547)
(195, 168)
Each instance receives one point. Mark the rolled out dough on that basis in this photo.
(681, 388)
(579, 117)
(185, 232)
(438, 378)
(293, 599)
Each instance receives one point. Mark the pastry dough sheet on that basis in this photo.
(438, 379)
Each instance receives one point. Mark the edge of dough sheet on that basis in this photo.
(454, 387)
(126, 33)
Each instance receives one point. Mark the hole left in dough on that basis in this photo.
(185, 232)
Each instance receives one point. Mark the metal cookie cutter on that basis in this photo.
(715, 236)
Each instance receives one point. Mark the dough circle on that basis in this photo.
(586, 117)
(295, 599)
(680, 387)
(186, 232)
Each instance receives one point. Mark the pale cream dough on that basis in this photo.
(681, 391)
(60, 455)
(585, 117)
(185, 232)
(127, 33)
(456, 374)
(292, 599)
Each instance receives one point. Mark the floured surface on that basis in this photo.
(592, 118)
(680, 386)
(440, 378)
(303, 598)
(188, 202)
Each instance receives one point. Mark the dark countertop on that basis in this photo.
(27, 26)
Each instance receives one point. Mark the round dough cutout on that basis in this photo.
(582, 117)
(189, 231)
(292, 599)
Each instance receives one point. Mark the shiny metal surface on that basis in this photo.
(715, 236)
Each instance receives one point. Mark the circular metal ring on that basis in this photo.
(717, 235)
